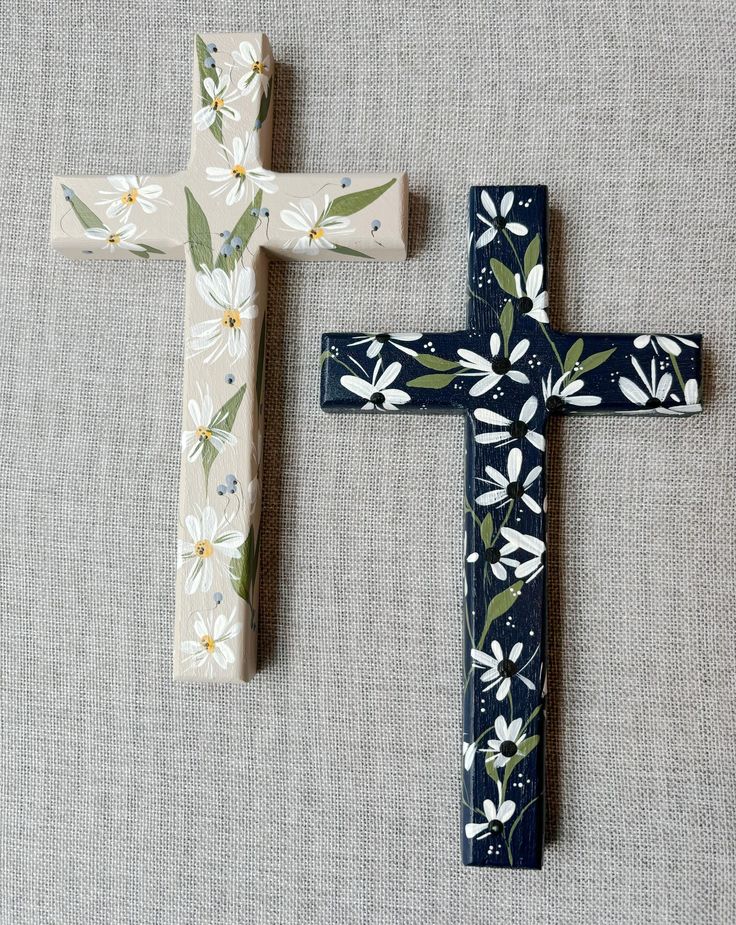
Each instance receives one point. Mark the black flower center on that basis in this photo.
(555, 403)
(383, 338)
(499, 222)
(508, 749)
(492, 556)
(496, 827)
(507, 668)
(525, 305)
(515, 489)
(653, 403)
(378, 398)
(517, 430)
(500, 365)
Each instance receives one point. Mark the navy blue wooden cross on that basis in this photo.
(508, 372)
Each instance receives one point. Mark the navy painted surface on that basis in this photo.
(507, 372)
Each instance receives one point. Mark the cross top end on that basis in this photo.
(289, 216)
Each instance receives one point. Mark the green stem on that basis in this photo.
(508, 850)
(516, 254)
(552, 345)
(676, 367)
(501, 525)
(518, 818)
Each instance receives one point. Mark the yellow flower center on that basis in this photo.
(316, 233)
(258, 67)
(130, 197)
(217, 103)
(208, 643)
(113, 239)
(203, 549)
(203, 433)
(230, 318)
(238, 170)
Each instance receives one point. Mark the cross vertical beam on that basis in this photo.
(229, 214)
(508, 372)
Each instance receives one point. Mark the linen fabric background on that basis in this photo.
(328, 789)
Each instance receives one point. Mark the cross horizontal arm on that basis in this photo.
(623, 374)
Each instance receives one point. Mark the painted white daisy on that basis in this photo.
(211, 648)
(510, 489)
(313, 226)
(211, 543)
(500, 669)
(510, 429)
(496, 219)
(217, 100)
(206, 426)
(534, 301)
(531, 544)
(692, 400)
(492, 371)
(112, 240)
(558, 395)
(376, 343)
(507, 744)
(656, 392)
(232, 295)
(667, 343)
(258, 67)
(499, 562)
(495, 820)
(377, 392)
(127, 192)
(243, 172)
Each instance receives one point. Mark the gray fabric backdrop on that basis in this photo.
(327, 790)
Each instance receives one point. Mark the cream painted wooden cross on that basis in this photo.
(229, 213)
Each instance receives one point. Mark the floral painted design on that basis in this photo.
(315, 226)
(211, 649)
(232, 298)
(129, 193)
(210, 546)
(509, 371)
(242, 174)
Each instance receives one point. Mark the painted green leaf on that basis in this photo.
(261, 362)
(241, 569)
(486, 530)
(264, 107)
(432, 362)
(436, 381)
(198, 233)
(504, 277)
(531, 257)
(507, 324)
(349, 252)
(225, 419)
(204, 73)
(86, 216)
(574, 354)
(498, 606)
(593, 361)
(354, 202)
(243, 229)
(528, 745)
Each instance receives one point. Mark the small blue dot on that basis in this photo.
(226, 250)
(222, 489)
(225, 233)
(264, 212)
(346, 181)
(212, 48)
(258, 124)
(217, 597)
(231, 481)
(375, 225)
(229, 378)
(209, 63)
(236, 242)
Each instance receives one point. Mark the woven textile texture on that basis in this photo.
(328, 789)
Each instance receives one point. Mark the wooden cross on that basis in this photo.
(507, 372)
(230, 213)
